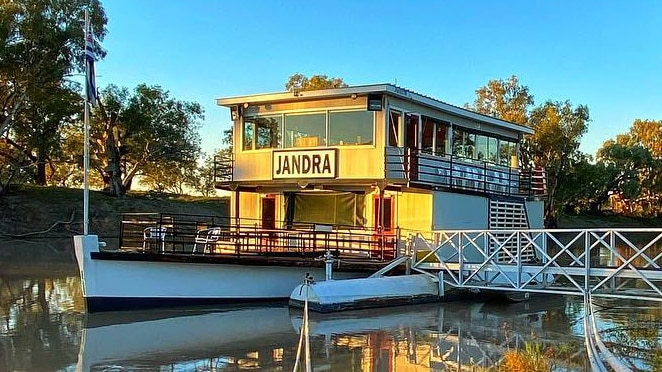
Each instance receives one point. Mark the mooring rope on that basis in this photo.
(596, 349)
(304, 340)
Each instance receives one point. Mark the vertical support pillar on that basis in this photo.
(460, 260)
(587, 264)
(544, 256)
(519, 260)
(237, 246)
(441, 284)
(381, 222)
(237, 195)
(612, 259)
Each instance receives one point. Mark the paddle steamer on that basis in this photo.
(347, 172)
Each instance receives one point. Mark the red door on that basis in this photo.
(383, 238)
(412, 145)
(268, 221)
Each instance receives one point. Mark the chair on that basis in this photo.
(154, 236)
(207, 237)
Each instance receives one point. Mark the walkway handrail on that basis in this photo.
(615, 263)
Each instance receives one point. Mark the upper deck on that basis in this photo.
(357, 137)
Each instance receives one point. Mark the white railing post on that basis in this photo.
(519, 260)
(460, 258)
(587, 263)
(612, 262)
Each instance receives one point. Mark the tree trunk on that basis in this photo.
(41, 172)
(113, 170)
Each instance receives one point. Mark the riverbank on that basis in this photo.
(54, 212)
(38, 222)
(32, 212)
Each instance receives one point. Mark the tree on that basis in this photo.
(634, 161)
(300, 82)
(203, 182)
(581, 185)
(504, 99)
(144, 133)
(169, 176)
(296, 83)
(625, 162)
(558, 128)
(41, 44)
(649, 134)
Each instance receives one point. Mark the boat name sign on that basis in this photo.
(304, 164)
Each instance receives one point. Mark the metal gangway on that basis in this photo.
(608, 263)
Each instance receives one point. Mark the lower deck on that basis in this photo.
(162, 236)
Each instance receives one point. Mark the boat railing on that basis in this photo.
(209, 235)
(456, 172)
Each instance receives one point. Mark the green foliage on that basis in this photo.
(559, 127)
(300, 82)
(203, 181)
(504, 99)
(145, 133)
(634, 160)
(580, 185)
(41, 42)
(295, 83)
(168, 176)
(10, 167)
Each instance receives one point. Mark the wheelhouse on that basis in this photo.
(375, 158)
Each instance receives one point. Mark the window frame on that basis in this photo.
(326, 111)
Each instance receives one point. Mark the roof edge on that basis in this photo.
(368, 89)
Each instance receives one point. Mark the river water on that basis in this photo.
(44, 327)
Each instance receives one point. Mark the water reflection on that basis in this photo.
(44, 327)
(447, 337)
(41, 323)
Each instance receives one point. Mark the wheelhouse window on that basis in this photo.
(305, 130)
(434, 139)
(507, 150)
(481, 147)
(394, 128)
(492, 150)
(262, 132)
(464, 144)
(351, 128)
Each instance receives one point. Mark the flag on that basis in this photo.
(90, 84)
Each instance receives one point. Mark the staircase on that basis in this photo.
(508, 215)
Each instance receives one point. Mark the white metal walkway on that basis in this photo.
(614, 263)
(624, 263)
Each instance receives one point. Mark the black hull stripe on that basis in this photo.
(99, 304)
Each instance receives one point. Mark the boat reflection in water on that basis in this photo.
(448, 336)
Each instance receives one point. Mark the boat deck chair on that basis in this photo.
(207, 239)
(154, 237)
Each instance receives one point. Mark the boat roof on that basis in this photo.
(385, 88)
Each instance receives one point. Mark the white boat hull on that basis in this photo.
(337, 295)
(125, 284)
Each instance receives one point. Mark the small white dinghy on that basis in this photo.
(348, 294)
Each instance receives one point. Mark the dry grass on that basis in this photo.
(533, 358)
(57, 212)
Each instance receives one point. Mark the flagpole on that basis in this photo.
(86, 141)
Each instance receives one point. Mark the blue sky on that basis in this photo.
(604, 54)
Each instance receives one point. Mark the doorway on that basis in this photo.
(269, 212)
(383, 237)
(411, 142)
(387, 224)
